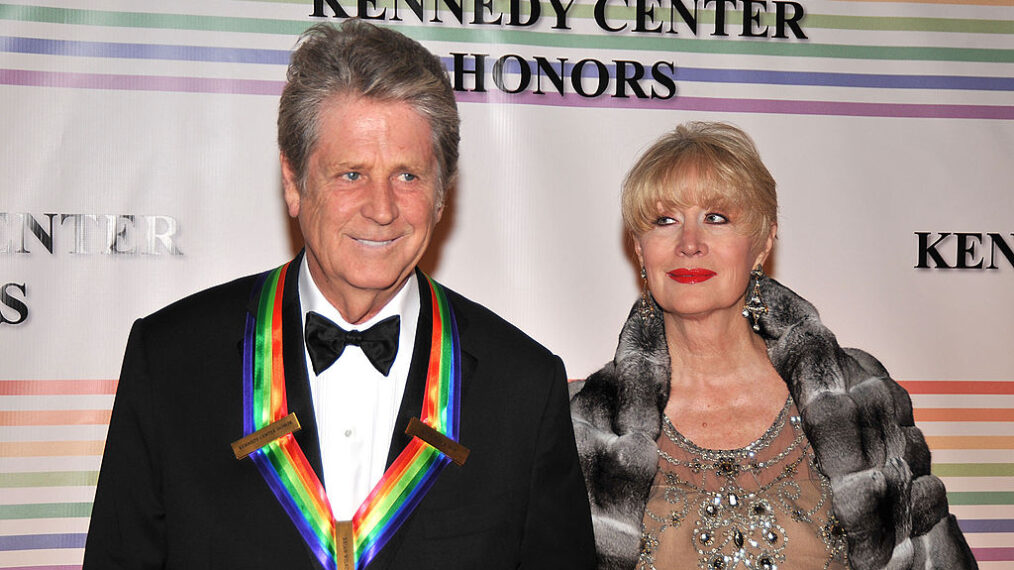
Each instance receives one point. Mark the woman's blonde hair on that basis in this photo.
(712, 165)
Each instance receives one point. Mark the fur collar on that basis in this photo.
(858, 420)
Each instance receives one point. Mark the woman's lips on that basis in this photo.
(690, 276)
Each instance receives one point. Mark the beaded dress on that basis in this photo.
(764, 506)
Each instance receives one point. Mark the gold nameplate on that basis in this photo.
(457, 452)
(346, 548)
(265, 435)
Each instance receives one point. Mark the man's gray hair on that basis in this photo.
(362, 60)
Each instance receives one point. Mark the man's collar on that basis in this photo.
(404, 302)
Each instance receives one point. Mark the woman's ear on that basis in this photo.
(767, 246)
(637, 250)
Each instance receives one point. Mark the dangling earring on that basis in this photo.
(646, 307)
(755, 306)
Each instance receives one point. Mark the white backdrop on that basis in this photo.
(887, 120)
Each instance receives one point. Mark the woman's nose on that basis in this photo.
(692, 241)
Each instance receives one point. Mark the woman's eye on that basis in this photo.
(715, 218)
(664, 221)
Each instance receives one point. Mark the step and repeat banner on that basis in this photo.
(139, 165)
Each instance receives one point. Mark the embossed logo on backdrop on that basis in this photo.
(25, 234)
(586, 77)
(964, 250)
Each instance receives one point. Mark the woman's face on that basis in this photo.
(698, 260)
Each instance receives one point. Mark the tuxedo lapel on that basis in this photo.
(297, 387)
(412, 399)
(415, 385)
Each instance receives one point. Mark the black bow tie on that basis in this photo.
(325, 342)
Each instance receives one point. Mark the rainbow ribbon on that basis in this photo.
(286, 469)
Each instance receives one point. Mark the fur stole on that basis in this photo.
(858, 420)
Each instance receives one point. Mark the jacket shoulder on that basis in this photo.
(211, 310)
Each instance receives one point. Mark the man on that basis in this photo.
(368, 130)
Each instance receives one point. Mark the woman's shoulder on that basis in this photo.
(596, 396)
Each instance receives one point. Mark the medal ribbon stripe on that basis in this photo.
(286, 469)
(451, 401)
(294, 472)
(249, 346)
(279, 403)
(388, 506)
(254, 415)
(441, 406)
(281, 462)
(315, 525)
(430, 412)
(432, 399)
(263, 351)
(415, 470)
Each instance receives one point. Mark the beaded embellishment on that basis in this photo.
(738, 525)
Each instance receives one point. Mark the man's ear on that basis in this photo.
(290, 186)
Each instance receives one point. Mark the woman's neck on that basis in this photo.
(724, 391)
(718, 348)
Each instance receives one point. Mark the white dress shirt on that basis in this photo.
(354, 404)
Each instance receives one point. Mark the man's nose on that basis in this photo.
(381, 205)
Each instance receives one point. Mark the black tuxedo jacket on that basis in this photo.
(172, 495)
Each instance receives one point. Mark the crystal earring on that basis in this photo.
(646, 307)
(755, 306)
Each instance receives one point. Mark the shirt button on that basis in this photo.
(348, 433)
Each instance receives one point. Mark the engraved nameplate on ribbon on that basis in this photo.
(258, 439)
(457, 452)
(344, 545)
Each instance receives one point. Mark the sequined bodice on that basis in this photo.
(764, 506)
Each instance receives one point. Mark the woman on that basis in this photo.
(716, 441)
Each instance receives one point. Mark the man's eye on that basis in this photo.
(407, 177)
(715, 218)
(351, 176)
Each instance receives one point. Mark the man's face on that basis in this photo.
(368, 209)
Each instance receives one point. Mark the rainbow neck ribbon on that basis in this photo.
(286, 469)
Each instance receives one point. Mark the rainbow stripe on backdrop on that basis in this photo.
(286, 469)
(51, 458)
(879, 92)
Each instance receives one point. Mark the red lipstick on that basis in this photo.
(691, 276)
